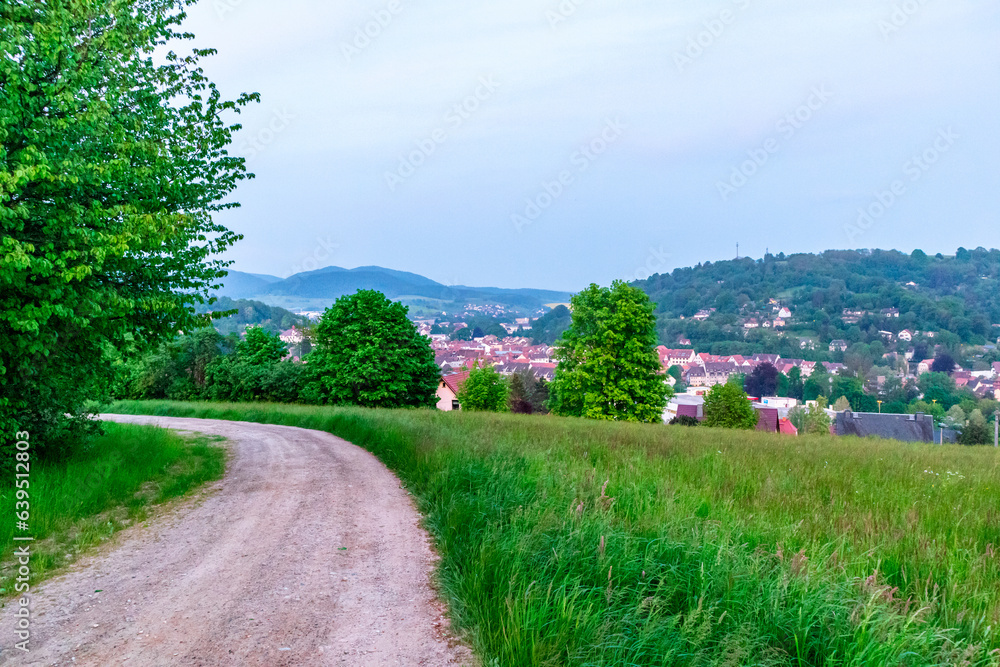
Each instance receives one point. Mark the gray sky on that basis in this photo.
(436, 143)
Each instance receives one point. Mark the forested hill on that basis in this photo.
(959, 294)
(252, 313)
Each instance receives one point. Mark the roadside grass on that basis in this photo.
(107, 486)
(567, 542)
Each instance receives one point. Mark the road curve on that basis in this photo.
(308, 552)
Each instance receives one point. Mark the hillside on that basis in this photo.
(837, 295)
(252, 313)
(316, 290)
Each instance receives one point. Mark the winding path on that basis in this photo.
(308, 552)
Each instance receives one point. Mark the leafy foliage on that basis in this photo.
(727, 406)
(763, 381)
(369, 354)
(485, 390)
(260, 347)
(608, 364)
(957, 296)
(111, 167)
(528, 394)
(548, 328)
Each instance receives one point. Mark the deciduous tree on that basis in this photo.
(608, 365)
(112, 164)
(369, 354)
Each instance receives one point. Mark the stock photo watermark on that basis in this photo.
(580, 160)
(913, 170)
(365, 35)
(321, 256)
(902, 14)
(656, 262)
(225, 7)
(563, 12)
(714, 29)
(22, 538)
(786, 128)
(457, 116)
(258, 142)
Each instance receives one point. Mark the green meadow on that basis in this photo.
(109, 484)
(568, 542)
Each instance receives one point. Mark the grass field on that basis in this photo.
(566, 542)
(107, 486)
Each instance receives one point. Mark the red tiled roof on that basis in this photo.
(456, 380)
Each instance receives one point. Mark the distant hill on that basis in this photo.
(316, 290)
(957, 298)
(252, 313)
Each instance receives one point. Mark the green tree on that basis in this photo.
(485, 390)
(977, 430)
(369, 354)
(817, 385)
(796, 388)
(608, 365)
(842, 404)
(528, 394)
(112, 163)
(817, 422)
(261, 347)
(728, 406)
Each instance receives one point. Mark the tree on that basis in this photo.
(977, 430)
(795, 386)
(485, 390)
(817, 422)
(112, 164)
(728, 406)
(763, 381)
(260, 347)
(528, 394)
(817, 385)
(943, 363)
(842, 404)
(939, 387)
(608, 365)
(369, 354)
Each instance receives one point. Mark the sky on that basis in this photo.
(553, 144)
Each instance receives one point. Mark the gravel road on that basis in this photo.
(308, 552)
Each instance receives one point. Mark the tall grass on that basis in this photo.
(108, 485)
(567, 542)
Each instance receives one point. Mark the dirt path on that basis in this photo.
(307, 553)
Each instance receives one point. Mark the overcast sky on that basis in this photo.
(533, 143)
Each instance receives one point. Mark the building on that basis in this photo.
(784, 313)
(838, 344)
(448, 389)
(906, 335)
(907, 428)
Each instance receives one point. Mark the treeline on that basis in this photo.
(959, 294)
(366, 353)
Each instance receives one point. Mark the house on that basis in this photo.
(784, 313)
(292, 336)
(685, 405)
(925, 366)
(888, 335)
(752, 323)
(448, 389)
(703, 315)
(838, 344)
(670, 358)
(890, 312)
(767, 419)
(779, 323)
(996, 369)
(684, 341)
(907, 428)
(906, 335)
